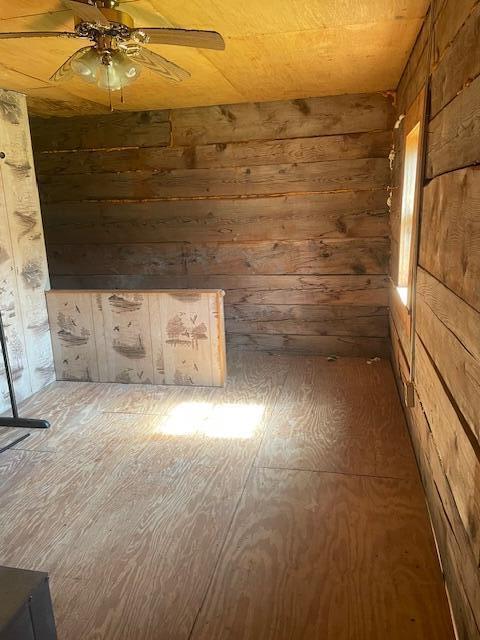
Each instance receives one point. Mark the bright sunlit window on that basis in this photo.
(412, 148)
(222, 420)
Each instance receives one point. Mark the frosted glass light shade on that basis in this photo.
(112, 72)
(87, 65)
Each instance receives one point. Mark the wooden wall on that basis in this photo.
(445, 421)
(23, 264)
(281, 204)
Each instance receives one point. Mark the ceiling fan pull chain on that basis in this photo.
(109, 89)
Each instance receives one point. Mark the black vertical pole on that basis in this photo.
(8, 370)
(15, 421)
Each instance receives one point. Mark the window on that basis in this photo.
(407, 225)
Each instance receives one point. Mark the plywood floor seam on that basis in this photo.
(321, 471)
(252, 467)
(253, 512)
(219, 555)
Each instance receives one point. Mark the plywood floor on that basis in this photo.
(285, 506)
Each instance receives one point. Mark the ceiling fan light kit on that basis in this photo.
(111, 70)
(117, 54)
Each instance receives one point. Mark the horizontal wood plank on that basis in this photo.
(458, 367)
(369, 173)
(460, 63)
(454, 134)
(460, 318)
(352, 256)
(460, 461)
(333, 215)
(377, 327)
(306, 290)
(449, 18)
(276, 120)
(310, 313)
(349, 146)
(114, 130)
(450, 216)
(312, 290)
(311, 345)
(167, 259)
(116, 281)
(307, 320)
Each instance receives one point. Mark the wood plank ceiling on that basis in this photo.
(282, 49)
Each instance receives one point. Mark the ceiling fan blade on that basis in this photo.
(65, 69)
(87, 12)
(183, 37)
(169, 70)
(37, 34)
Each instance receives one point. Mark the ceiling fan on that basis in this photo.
(116, 56)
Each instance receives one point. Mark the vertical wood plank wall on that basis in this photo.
(23, 263)
(445, 421)
(138, 337)
(281, 204)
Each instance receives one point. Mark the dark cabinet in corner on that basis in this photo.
(25, 606)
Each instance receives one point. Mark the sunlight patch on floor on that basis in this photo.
(232, 421)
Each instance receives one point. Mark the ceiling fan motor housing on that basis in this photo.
(113, 15)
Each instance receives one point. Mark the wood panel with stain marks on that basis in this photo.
(11, 316)
(122, 336)
(145, 337)
(73, 337)
(23, 263)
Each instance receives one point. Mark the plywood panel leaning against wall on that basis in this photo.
(445, 362)
(281, 204)
(23, 263)
(144, 337)
(12, 319)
